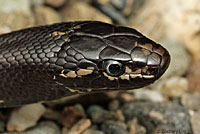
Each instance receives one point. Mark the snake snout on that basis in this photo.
(150, 61)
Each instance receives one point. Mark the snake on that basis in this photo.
(44, 63)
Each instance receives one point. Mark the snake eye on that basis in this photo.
(114, 68)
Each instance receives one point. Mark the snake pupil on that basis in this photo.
(114, 68)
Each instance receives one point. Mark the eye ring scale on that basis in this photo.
(114, 68)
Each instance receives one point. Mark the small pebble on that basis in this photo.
(15, 11)
(119, 4)
(79, 127)
(83, 11)
(46, 15)
(13, 5)
(113, 105)
(195, 121)
(92, 131)
(4, 29)
(193, 76)
(45, 127)
(170, 116)
(148, 95)
(51, 114)
(180, 59)
(37, 2)
(2, 126)
(120, 115)
(135, 127)
(191, 101)
(25, 117)
(55, 3)
(71, 116)
(126, 97)
(79, 107)
(113, 127)
(99, 115)
(173, 87)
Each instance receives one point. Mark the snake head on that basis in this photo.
(114, 57)
(136, 67)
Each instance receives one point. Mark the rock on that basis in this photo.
(191, 101)
(16, 11)
(193, 76)
(71, 116)
(157, 116)
(113, 105)
(79, 107)
(25, 117)
(180, 60)
(170, 20)
(112, 10)
(3, 118)
(45, 127)
(113, 127)
(9, 6)
(2, 126)
(173, 87)
(46, 15)
(192, 44)
(92, 131)
(195, 121)
(148, 95)
(82, 11)
(99, 115)
(135, 127)
(37, 2)
(120, 115)
(55, 3)
(51, 114)
(126, 97)
(4, 29)
(119, 4)
(79, 127)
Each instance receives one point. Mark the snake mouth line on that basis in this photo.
(134, 76)
(141, 76)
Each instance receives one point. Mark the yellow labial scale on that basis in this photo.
(138, 71)
(148, 76)
(70, 74)
(144, 69)
(82, 72)
(128, 70)
(109, 77)
(135, 75)
(56, 33)
(125, 77)
(90, 68)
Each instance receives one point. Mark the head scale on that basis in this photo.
(109, 57)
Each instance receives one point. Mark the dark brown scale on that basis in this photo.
(48, 62)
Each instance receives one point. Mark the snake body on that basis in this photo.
(48, 62)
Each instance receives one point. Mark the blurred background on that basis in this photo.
(171, 105)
